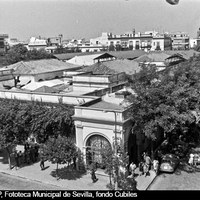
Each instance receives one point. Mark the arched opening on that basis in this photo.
(94, 146)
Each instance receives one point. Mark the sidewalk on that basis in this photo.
(69, 179)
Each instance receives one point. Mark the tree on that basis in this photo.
(52, 121)
(108, 161)
(116, 167)
(60, 150)
(38, 54)
(11, 132)
(16, 53)
(20, 53)
(164, 100)
(19, 119)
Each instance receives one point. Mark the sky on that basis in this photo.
(78, 19)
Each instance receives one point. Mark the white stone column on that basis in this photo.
(79, 140)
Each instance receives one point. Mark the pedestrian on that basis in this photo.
(25, 156)
(191, 160)
(26, 146)
(132, 168)
(147, 161)
(16, 155)
(141, 164)
(32, 154)
(42, 163)
(155, 166)
(74, 162)
(196, 157)
(28, 156)
(93, 175)
(20, 157)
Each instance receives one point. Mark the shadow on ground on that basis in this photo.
(67, 173)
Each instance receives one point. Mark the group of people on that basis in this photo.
(194, 159)
(30, 155)
(144, 166)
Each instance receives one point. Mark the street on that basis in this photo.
(179, 180)
(8, 182)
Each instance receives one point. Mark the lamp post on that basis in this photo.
(115, 143)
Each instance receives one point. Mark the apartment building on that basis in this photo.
(3, 43)
(148, 41)
(180, 41)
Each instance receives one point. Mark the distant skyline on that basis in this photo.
(89, 18)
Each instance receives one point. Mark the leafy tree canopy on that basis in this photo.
(164, 100)
(20, 119)
(59, 150)
(20, 53)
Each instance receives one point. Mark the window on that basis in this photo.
(137, 46)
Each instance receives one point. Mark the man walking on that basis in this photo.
(147, 162)
(42, 163)
(93, 175)
(16, 155)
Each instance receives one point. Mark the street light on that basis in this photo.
(115, 148)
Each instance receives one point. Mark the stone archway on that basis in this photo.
(94, 144)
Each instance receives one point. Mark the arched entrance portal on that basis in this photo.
(94, 146)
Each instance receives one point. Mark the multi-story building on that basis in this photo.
(195, 41)
(37, 43)
(180, 41)
(13, 41)
(148, 41)
(3, 43)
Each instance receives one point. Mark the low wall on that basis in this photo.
(46, 97)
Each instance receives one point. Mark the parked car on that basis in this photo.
(169, 162)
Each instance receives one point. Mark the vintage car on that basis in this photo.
(169, 162)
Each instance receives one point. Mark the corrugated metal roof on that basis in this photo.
(46, 89)
(34, 85)
(67, 56)
(83, 59)
(113, 67)
(127, 66)
(132, 54)
(98, 68)
(40, 66)
(186, 54)
(153, 57)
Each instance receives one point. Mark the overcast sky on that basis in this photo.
(89, 18)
